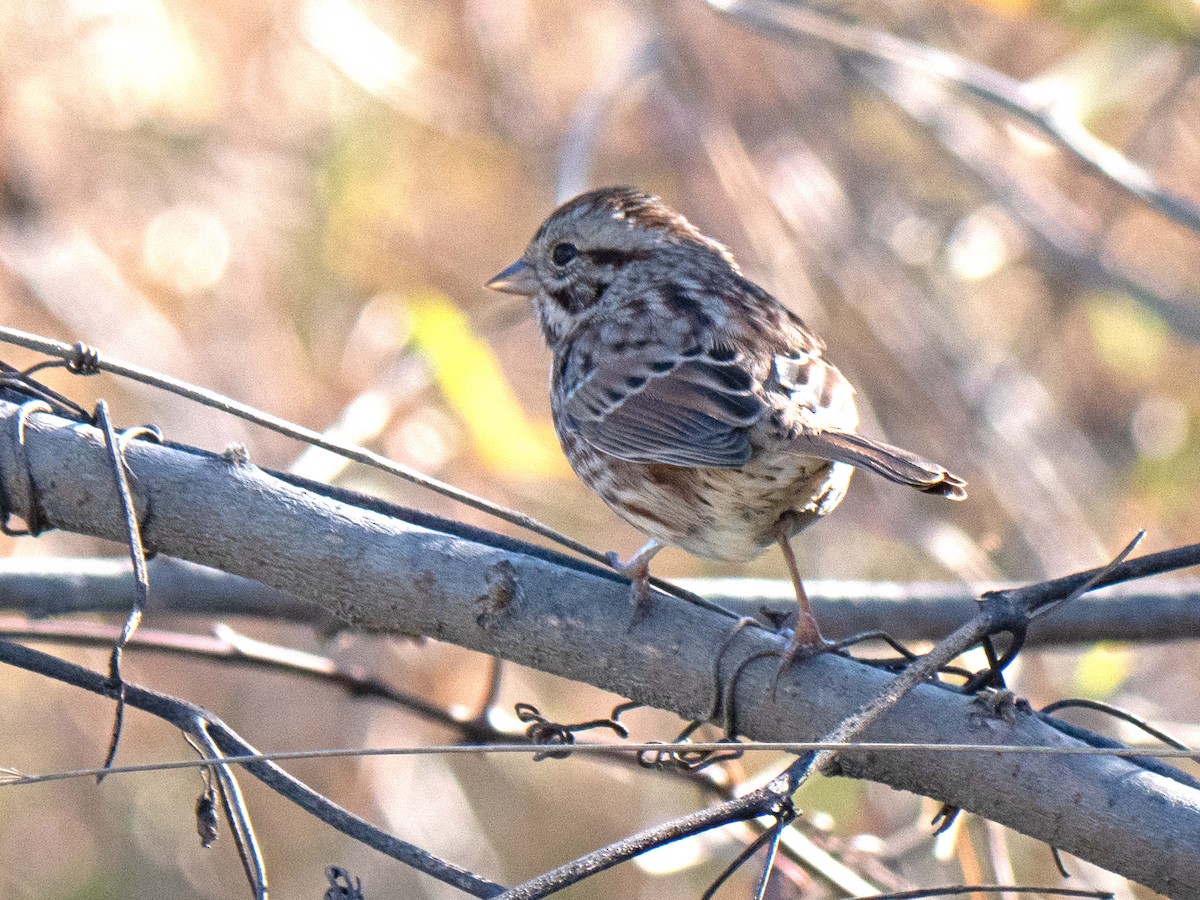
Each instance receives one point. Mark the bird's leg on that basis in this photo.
(806, 638)
(638, 571)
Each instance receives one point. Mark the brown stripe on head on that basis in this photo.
(638, 209)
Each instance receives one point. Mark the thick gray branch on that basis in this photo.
(378, 572)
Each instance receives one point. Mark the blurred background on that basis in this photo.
(296, 203)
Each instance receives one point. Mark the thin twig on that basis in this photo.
(959, 889)
(229, 645)
(236, 811)
(137, 554)
(767, 800)
(788, 22)
(183, 715)
(1117, 713)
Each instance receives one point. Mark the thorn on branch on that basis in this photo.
(35, 519)
(944, 819)
(997, 704)
(1013, 609)
(236, 453)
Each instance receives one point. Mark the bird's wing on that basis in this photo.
(686, 409)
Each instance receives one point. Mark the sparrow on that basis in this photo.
(700, 409)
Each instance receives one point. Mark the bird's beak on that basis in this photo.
(519, 278)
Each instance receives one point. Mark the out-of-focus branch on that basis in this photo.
(1165, 611)
(42, 587)
(190, 718)
(1064, 233)
(382, 573)
(787, 22)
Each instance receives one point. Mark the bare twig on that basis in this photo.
(787, 22)
(137, 555)
(186, 716)
(956, 890)
(767, 800)
(236, 811)
(228, 645)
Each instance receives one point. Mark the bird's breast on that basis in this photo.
(725, 514)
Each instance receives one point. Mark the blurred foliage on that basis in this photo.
(1101, 671)
(296, 202)
(469, 375)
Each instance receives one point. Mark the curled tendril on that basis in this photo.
(541, 730)
(689, 760)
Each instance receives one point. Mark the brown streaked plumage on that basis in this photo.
(700, 409)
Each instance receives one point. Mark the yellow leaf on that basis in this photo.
(1015, 8)
(1130, 339)
(474, 386)
(1102, 670)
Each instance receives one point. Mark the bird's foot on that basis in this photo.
(807, 642)
(637, 570)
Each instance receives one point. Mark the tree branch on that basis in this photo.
(42, 587)
(190, 718)
(789, 22)
(380, 572)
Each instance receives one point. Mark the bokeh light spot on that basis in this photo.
(186, 248)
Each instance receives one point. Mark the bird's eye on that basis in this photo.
(563, 253)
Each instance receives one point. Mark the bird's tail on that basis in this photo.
(883, 459)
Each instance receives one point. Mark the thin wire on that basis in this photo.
(10, 777)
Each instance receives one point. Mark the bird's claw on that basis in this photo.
(638, 572)
(805, 644)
